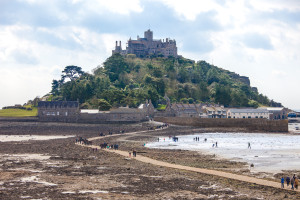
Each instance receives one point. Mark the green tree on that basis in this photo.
(184, 100)
(114, 66)
(104, 105)
(56, 84)
(190, 100)
(72, 72)
(183, 75)
(222, 95)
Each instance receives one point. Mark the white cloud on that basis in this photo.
(114, 6)
(278, 73)
(265, 5)
(189, 9)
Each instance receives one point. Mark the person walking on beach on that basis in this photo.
(249, 145)
(134, 153)
(216, 144)
(288, 180)
(292, 183)
(296, 183)
(282, 182)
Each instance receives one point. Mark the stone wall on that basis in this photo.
(263, 125)
(99, 118)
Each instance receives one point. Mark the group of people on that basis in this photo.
(133, 153)
(196, 139)
(82, 140)
(164, 125)
(110, 132)
(215, 145)
(293, 181)
(107, 146)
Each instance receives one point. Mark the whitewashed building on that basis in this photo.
(276, 113)
(248, 113)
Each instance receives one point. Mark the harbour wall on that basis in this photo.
(263, 125)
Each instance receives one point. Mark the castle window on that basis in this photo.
(66, 113)
(57, 113)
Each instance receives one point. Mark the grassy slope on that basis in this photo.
(18, 113)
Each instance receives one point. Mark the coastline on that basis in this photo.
(76, 169)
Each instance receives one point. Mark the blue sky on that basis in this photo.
(258, 38)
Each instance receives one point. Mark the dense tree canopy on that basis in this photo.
(129, 81)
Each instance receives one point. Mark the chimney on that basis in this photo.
(116, 43)
(120, 43)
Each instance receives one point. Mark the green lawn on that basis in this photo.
(161, 107)
(18, 113)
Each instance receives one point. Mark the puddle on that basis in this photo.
(92, 191)
(35, 179)
(68, 192)
(24, 156)
(19, 138)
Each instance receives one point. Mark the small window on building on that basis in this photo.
(261, 116)
(249, 117)
(57, 113)
(66, 113)
(244, 117)
(256, 116)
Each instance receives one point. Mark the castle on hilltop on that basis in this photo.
(147, 46)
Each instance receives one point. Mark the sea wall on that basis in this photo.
(19, 119)
(99, 118)
(263, 125)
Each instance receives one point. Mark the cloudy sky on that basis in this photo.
(257, 38)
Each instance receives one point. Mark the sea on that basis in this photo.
(269, 152)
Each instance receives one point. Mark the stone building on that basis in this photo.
(213, 111)
(62, 111)
(247, 113)
(276, 113)
(147, 46)
(192, 110)
(68, 111)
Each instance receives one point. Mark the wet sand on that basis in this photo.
(270, 153)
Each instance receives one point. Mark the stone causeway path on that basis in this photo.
(229, 175)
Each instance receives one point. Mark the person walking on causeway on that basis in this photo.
(288, 180)
(282, 182)
(292, 183)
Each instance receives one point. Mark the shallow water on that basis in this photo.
(19, 138)
(268, 153)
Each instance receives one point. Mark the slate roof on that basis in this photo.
(248, 110)
(272, 108)
(61, 104)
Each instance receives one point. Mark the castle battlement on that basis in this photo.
(147, 46)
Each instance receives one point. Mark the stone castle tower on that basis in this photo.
(147, 46)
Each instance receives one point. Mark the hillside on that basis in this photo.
(130, 81)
